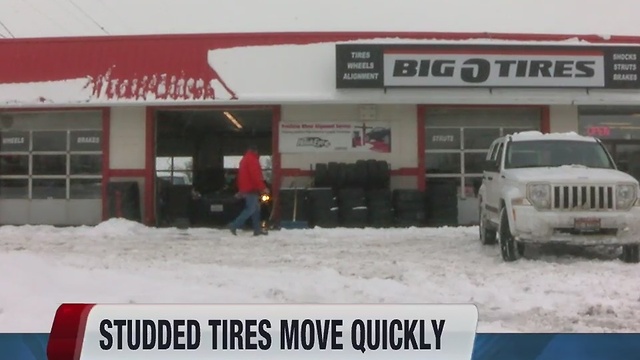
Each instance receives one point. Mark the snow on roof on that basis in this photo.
(537, 135)
(46, 18)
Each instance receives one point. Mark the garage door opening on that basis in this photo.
(197, 157)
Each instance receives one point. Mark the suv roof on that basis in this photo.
(537, 135)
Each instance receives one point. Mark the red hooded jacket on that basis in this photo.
(250, 174)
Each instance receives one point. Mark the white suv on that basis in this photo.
(557, 188)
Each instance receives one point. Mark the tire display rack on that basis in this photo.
(358, 195)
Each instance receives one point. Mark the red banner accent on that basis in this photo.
(67, 331)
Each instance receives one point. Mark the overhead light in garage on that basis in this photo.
(233, 119)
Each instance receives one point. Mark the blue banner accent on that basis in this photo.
(556, 346)
(486, 347)
(23, 346)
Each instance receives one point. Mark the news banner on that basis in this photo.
(288, 331)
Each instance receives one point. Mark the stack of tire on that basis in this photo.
(322, 208)
(380, 208)
(442, 204)
(409, 206)
(366, 174)
(294, 199)
(352, 208)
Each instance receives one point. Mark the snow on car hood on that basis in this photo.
(569, 174)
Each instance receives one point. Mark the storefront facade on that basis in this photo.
(78, 114)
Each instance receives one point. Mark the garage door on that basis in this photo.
(51, 168)
(457, 141)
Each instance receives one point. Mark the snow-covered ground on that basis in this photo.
(125, 262)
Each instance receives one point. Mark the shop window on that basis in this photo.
(49, 189)
(480, 138)
(51, 155)
(442, 139)
(49, 164)
(85, 164)
(85, 141)
(471, 185)
(474, 162)
(14, 188)
(443, 163)
(49, 141)
(178, 170)
(85, 189)
(15, 141)
(14, 165)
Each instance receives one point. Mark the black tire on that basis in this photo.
(508, 245)
(487, 236)
(333, 174)
(631, 254)
(341, 176)
(373, 178)
(384, 174)
(361, 174)
(321, 176)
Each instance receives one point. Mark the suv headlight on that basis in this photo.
(625, 196)
(539, 195)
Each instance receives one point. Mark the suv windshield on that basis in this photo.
(553, 153)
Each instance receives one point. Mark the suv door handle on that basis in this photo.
(489, 177)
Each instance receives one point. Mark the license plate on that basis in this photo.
(217, 208)
(587, 224)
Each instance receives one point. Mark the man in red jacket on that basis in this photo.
(250, 186)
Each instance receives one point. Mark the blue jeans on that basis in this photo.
(251, 210)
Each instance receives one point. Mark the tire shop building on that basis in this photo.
(92, 127)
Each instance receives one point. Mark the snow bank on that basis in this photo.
(124, 262)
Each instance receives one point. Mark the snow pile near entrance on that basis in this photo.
(124, 262)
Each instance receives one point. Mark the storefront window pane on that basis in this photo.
(14, 188)
(447, 188)
(442, 139)
(472, 185)
(480, 139)
(442, 163)
(473, 162)
(49, 141)
(85, 141)
(49, 164)
(14, 141)
(49, 189)
(14, 164)
(85, 164)
(85, 189)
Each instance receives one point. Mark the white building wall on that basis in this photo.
(404, 139)
(127, 138)
(563, 118)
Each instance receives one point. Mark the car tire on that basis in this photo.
(631, 254)
(508, 245)
(487, 236)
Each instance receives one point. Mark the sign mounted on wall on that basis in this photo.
(375, 66)
(328, 136)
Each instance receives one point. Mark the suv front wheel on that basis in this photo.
(509, 248)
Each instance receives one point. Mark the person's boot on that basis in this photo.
(261, 232)
(232, 229)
